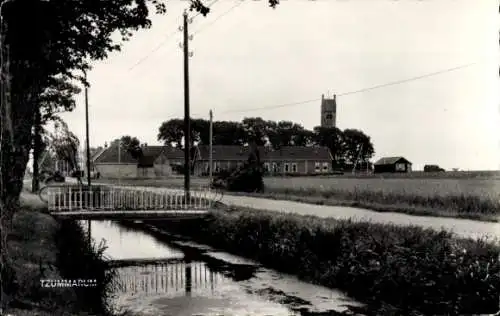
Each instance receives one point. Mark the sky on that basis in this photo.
(249, 56)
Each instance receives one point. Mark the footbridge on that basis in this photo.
(108, 202)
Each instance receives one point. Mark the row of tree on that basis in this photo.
(346, 145)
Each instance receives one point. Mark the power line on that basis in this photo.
(220, 16)
(357, 91)
(165, 40)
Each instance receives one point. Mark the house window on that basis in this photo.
(216, 167)
(329, 116)
(275, 167)
(400, 167)
(207, 167)
(317, 167)
(325, 166)
(294, 167)
(239, 164)
(266, 166)
(287, 167)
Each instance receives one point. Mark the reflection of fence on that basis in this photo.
(173, 279)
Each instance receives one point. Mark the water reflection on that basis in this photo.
(179, 279)
(201, 282)
(124, 243)
(187, 288)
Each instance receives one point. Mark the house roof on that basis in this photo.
(390, 160)
(110, 155)
(173, 152)
(98, 153)
(150, 153)
(220, 152)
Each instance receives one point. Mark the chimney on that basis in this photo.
(322, 97)
(334, 97)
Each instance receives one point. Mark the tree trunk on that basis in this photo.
(37, 146)
(15, 145)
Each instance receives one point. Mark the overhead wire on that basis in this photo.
(283, 105)
(165, 40)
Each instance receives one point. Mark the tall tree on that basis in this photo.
(172, 131)
(200, 131)
(228, 133)
(257, 130)
(56, 98)
(132, 145)
(303, 137)
(286, 133)
(64, 146)
(357, 144)
(333, 138)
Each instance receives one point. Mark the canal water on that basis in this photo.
(192, 279)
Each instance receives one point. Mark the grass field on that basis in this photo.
(474, 198)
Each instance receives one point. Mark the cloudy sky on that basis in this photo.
(248, 59)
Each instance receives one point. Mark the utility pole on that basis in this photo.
(89, 183)
(187, 119)
(87, 129)
(119, 161)
(210, 147)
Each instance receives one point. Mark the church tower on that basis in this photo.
(328, 112)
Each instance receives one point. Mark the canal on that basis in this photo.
(192, 279)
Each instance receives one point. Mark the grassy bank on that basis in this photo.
(477, 199)
(42, 248)
(396, 270)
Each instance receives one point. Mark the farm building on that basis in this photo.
(286, 160)
(159, 161)
(154, 163)
(392, 165)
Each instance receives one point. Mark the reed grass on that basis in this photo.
(396, 270)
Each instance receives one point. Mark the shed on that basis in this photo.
(392, 165)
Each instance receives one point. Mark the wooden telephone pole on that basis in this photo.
(87, 141)
(187, 120)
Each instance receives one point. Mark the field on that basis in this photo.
(451, 195)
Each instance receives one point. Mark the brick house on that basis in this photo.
(286, 160)
(154, 163)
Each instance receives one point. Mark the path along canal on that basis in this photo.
(193, 279)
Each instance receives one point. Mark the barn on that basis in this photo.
(392, 165)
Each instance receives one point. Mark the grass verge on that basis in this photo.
(395, 270)
(41, 248)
